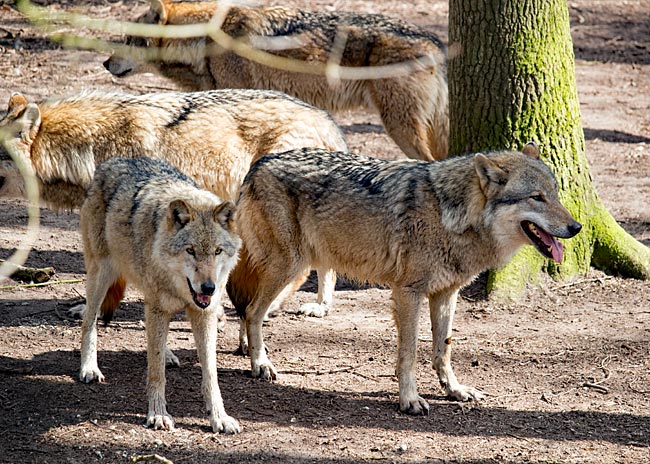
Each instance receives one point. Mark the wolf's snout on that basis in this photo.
(208, 288)
(574, 228)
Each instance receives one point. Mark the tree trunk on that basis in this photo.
(511, 81)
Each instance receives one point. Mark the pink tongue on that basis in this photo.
(557, 250)
(205, 299)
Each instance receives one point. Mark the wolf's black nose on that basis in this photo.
(574, 228)
(207, 288)
(106, 64)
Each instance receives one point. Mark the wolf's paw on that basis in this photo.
(160, 421)
(314, 309)
(465, 393)
(90, 373)
(416, 407)
(225, 424)
(264, 371)
(242, 349)
(221, 323)
(77, 311)
(273, 311)
(170, 358)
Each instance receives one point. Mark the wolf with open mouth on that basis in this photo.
(148, 224)
(423, 229)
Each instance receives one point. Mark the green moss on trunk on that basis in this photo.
(512, 80)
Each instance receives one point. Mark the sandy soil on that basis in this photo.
(567, 369)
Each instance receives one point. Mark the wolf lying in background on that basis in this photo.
(424, 229)
(147, 223)
(413, 107)
(212, 136)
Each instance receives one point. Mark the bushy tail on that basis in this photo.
(243, 282)
(112, 299)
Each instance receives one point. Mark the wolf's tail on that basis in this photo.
(243, 282)
(112, 299)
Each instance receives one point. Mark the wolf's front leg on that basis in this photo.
(157, 326)
(204, 327)
(99, 275)
(442, 307)
(406, 311)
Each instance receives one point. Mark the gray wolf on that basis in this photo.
(148, 224)
(211, 136)
(413, 107)
(423, 229)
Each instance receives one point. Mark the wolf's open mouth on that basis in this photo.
(200, 299)
(545, 243)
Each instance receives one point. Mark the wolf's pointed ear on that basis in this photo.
(159, 11)
(490, 176)
(17, 104)
(178, 214)
(24, 118)
(224, 214)
(531, 150)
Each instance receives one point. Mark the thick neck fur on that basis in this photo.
(464, 211)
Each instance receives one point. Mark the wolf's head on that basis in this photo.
(199, 246)
(18, 128)
(140, 49)
(522, 205)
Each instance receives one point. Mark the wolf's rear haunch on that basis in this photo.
(423, 229)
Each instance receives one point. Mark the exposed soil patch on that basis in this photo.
(567, 369)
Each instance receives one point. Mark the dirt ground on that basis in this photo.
(567, 369)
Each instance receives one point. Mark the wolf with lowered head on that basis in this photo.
(412, 102)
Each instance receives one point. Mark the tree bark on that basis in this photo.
(511, 81)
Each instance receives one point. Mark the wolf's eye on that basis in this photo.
(537, 198)
(190, 251)
(218, 251)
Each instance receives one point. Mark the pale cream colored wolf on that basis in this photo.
(413, 107)
(424, 229)
(146, 223)
(211, 136)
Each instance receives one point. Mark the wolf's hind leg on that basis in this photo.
(100, 276)
(406, 312)
(414, 112)
(286, 293)
(326, 284)
(442, 307)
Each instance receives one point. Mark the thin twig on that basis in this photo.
(43, 284)
(318, 372)
(636, 390)
(16, 370)
(518, 437)
(595, 386)
(582, 281)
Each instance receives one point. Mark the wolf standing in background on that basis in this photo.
(147, 223)
(212, 136)
(424, 229)
(413, 107)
